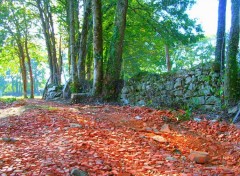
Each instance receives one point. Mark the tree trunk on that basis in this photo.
(231, 92)
(168, 62)
(74, 76)
(23, 68)
(89, 61)
(116, 49)
(97, 47)
(83, 42)
(220, 38)
(48, 28)
(60, 60)
(30, 69)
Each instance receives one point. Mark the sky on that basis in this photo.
(206, 11)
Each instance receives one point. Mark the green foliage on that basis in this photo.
(185, 116)
(8, 100)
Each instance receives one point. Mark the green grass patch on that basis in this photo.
(8, 99)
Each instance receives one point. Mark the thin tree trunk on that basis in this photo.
(23, 68)
(97, 47)
(168, 62)
(114, 66)
(89, 62)
(60, 61)
(220, 40)
(48, 28)
(30, 69)
(231, 92)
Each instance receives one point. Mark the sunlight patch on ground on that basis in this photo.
(11, 111)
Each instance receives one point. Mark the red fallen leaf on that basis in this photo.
(91, 152)
(115, 172)
(148, 167)
(99, 162)
(121, 150)
(124, 174)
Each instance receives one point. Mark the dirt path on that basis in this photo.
(52, 139)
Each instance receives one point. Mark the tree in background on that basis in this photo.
(13, 20)
(220, 37)
(45, 13)
(231, 83)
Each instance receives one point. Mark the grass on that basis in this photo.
(11, 99)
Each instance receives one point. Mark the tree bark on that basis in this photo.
(89, 59)
(83, 42)
(60, 60)
(231, 92)
(168, 62)
(73, 59)
(48, 30)
(220, 37)
(30, 69)
(114, 65)
(23, 68)
(97, 48)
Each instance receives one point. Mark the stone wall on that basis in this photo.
(197, 87)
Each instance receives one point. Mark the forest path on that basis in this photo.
(48, 138)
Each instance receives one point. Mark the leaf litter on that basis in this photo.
(52, 139)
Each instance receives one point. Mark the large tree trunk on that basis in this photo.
(83, 42)
(74, 75)
(114, 66)
(97, 47)
(168, 62)
(231, 92)
(220, 38)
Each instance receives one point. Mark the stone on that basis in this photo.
(78, 172)
(159, 139)
(198, 100)
(199, 157)
(125, 101)
(178, 83)
(197, 119)
(125, 90)
(205, 90)
(208, 107)
(178, 93)
(138, 118)
(188, 80)
(8, 139)
(233, 110)
(212, 100)
(51, 89)
(75, 125)
(169, 85)
(165, 128)
(198, 72)
(191, 86)
(170, 158)
(141, 103)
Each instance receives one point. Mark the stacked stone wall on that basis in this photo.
(198, 87)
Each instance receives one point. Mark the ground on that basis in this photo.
(47, 138)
